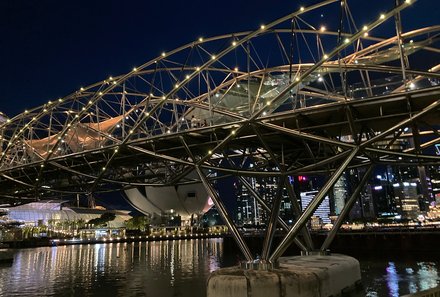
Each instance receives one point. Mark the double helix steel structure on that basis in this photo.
(290, 98)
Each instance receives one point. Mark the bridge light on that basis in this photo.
(262, 27)
(346, 40)
(268, 103)
(209, 152)
(412, 86)
(176, 86)
(233, 132)
(103, 168)
(116, 150)
(201, 39)
(365, 28)
(187, 76)
(323, 28)
(42, 165)
(134, 69)
(163, 54)
(366, 34)
(45, 110)
(234, 43)
(302, 8)
(264, 113)
(197, 68)
(100, 93)
(236, 69)
(147, 114)
(81, 89)
(297, 78)
(325, 56)
(60, 99)
(408, 1)
(382, 16)
(213, 57)
(320, 79)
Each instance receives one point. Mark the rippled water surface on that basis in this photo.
(167, 268)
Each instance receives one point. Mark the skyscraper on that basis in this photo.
(323, 210)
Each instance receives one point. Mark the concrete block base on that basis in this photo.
(299, 276)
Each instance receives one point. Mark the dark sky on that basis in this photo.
(50, 48)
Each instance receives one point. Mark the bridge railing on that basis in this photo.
(434, 292)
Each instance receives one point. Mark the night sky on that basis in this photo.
(49, 49)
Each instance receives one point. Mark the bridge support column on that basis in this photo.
(299, 276)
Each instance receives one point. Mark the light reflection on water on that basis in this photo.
(168, 268)
(397, 278)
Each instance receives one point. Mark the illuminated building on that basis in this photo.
(340, 194)
(36, 213)
(407, 199)
(181, 205)
(323, 210)
(248, 211)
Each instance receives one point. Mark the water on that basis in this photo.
(167, 268)
(398, 277)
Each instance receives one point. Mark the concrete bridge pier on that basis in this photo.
(299, 276)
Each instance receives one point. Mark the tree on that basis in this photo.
(138, 223)
(103, 219)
